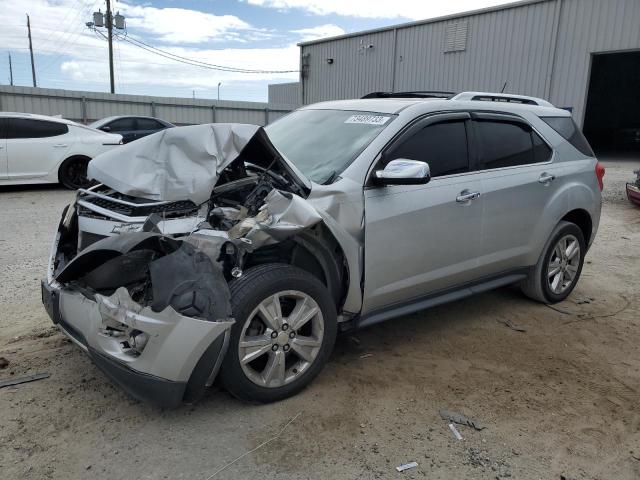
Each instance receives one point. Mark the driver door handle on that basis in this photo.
(466, 196)
(546, 178)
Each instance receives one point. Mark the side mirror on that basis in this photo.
(106, 128)
(403, 171)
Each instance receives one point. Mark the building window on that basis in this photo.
(456, 36)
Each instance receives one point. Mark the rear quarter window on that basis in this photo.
(27, 128)
(567, 129)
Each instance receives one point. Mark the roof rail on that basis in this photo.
(416, 94)
(502, 97)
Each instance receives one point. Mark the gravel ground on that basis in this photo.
(559, 399)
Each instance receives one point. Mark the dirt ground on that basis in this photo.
(561, 399)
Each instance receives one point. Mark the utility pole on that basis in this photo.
(33, 68)
(109, 25)
(219, 83)
(10, 70)
(109, 21)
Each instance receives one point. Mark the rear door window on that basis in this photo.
(149, 124)
(568, 130)
(122, 125)
(509, 144)
(28, 128)
(442, 145)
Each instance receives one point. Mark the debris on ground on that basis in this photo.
(355, 340)
(478, 458)
(455, 431)
(366, 355)
(25, 379)
(4, 363)
(407, 466)
(585, 300)
(512, 325)
(460, 419)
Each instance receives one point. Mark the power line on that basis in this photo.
(73, 34)
(190, 61)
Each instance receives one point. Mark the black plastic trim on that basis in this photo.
(443, 296)
(204, 369)
(142, 386)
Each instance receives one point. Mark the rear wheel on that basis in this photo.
(284, 332)
(557, 272)
(73, 173)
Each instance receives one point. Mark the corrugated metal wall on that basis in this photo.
(541, 48)
(284, 93)
(588, 27)
(505, 46)
(86, 107)
(356, 69)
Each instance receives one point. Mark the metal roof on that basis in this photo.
(453, 16)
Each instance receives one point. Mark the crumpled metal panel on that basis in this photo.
(341, 206)
(176, 342)
(174, 164)
(282, 216)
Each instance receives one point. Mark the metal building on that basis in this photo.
(284, 93)
(583, 55)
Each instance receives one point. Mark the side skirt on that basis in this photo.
(438, 298)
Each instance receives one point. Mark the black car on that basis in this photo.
(131, 128)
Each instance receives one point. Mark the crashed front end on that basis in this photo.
(146, 307)
(141, 284)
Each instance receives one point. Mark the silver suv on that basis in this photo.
(237, 253)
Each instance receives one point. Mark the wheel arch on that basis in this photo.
(582, 219)
(73, 156)
(317, 252)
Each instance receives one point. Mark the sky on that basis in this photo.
(242, 34)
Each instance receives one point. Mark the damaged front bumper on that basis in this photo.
(160, 373)
(157, 355)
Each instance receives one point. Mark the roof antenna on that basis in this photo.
(503, 87)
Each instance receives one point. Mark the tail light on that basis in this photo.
(600, 174)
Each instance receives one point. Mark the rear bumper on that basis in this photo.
(169, 361)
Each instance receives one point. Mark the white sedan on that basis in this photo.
(42, 149)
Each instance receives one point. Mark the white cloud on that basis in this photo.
(67, 53)
(179, 25)
(321, 31)
(413, 9)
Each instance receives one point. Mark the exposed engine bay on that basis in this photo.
(250, 207)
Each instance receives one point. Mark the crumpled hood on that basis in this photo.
(184, 162)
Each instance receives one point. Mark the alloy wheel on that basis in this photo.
(281, 338)
(563, 264)
(76, 174)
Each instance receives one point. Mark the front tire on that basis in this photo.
(285, 328)
(558, 270)
(73, 173)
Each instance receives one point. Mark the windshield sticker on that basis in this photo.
(367, 119)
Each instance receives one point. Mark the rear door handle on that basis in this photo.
(466, 196)
(546, 178)
(60, 145)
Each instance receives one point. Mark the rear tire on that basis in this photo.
(285, 328)
(73, 173)
(558, 270)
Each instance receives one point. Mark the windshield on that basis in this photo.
(323, 143)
